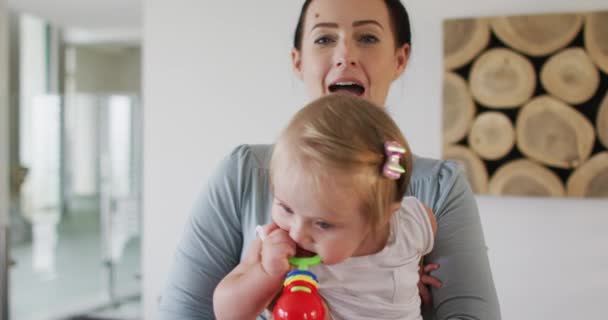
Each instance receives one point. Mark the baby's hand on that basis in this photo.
(277, 248)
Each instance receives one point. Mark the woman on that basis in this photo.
(356, 47)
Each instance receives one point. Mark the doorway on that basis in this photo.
(75, 162)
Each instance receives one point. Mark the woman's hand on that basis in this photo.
(425, 281)
(277, 248)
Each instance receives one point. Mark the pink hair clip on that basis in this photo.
(394, 151)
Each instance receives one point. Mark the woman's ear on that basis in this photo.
(402, 56)
(296, 62)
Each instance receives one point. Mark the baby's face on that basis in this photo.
(327, 222)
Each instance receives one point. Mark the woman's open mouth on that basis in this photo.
(347, 87)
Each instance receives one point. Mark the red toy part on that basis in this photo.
(300, 300)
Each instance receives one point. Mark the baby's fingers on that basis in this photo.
(275, 258)
(280, 236)
(263, 231)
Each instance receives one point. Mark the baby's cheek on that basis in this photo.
(280, 221)
(333, 255)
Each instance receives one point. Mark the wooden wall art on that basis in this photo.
(525, 103)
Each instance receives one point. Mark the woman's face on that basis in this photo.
(348, 46)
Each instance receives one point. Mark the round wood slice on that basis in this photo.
(458, 108)
(501, 78)
(602, 121)
(596, 38)
(591, 179)
(554, 133)
(492, 135)
(538, 35)
(525, 178)
(571, 76)
(463, 40)
(474, 168)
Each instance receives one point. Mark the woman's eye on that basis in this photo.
(324, 225)
(323, 40)
(368, 39)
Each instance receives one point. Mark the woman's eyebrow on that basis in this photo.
(324, 25)
(364, 22)
(355, 24)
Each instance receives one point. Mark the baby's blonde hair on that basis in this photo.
(345, 135)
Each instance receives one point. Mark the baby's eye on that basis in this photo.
(368, 39)
(285, 208)
(324, 225)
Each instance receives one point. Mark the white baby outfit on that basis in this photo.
(382, 285)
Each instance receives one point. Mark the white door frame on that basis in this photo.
(4, 161)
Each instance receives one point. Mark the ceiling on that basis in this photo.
(88, 20)
(89, 14)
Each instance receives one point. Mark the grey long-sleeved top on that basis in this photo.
(238, 198)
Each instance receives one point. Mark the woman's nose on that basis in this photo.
(345, 55)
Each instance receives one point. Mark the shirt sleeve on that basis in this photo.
(211, 243)
(417, 226)
(468, 291)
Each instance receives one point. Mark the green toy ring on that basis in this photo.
(303, 263)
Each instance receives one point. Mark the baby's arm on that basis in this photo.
(251, 286)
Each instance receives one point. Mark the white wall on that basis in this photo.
(217, 74)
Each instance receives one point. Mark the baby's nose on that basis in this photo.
(299, 235)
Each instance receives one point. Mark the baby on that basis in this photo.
(339, 173)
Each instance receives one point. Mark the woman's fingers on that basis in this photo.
(430, 267)
(431, 281)
(427, 279)
(426, 298)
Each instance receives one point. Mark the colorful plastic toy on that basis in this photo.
(300, 299)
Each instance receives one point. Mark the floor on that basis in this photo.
(61, 275)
